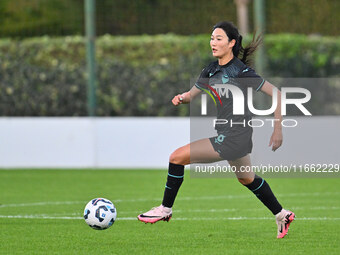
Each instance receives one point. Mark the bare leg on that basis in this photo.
(243, 177)
(200, 151)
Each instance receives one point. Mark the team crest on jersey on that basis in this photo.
(225, 79)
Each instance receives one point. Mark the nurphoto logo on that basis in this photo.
(225, 90)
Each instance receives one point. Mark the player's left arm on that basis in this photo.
(276, 138)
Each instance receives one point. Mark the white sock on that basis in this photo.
(280, 214)
(166, 209)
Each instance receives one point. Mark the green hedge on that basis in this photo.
(137, 75)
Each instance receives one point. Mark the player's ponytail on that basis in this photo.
(232, 32)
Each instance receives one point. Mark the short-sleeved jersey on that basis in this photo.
(236, 73)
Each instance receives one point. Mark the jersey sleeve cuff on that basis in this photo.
(260, 86)
(196, 84)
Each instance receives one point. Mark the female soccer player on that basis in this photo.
(233, 143)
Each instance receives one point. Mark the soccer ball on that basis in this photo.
(100, 213)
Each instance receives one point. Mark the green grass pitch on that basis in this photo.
(41, 213)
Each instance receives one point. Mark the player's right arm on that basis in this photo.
(186, 97)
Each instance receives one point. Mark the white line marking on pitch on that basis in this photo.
(40, 217)
(43, 203)
(158, 199)
(212, 210)
(237, 209)
(135, 218)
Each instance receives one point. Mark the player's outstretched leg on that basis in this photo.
(200, 151)
(164, 211)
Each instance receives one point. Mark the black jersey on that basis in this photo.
(235, 73)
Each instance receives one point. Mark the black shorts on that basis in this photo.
(232, 147)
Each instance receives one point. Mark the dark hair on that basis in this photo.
(232, 32)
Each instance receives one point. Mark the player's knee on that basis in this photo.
(177, 158)
(245, 181)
